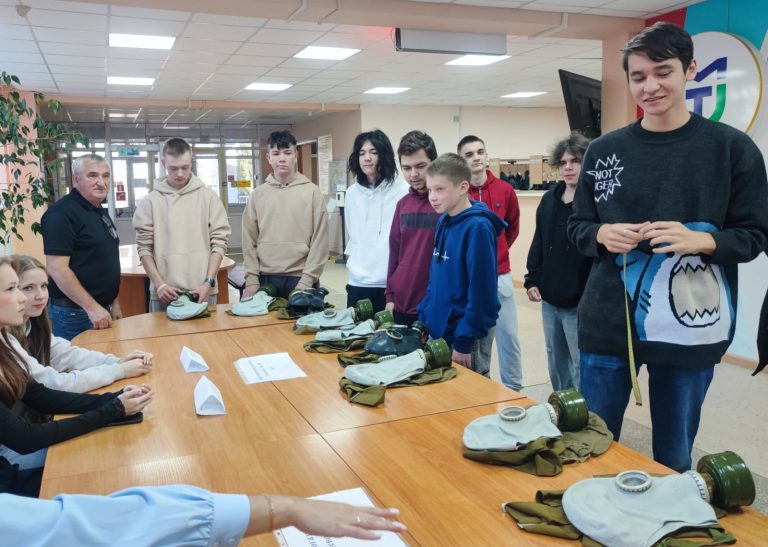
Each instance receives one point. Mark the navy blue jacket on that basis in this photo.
(461, 303)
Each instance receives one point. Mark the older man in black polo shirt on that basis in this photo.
(81, 251)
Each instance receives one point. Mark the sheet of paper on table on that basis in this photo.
(208, 400)
(293, 537)
(268, 368)
(192, 361)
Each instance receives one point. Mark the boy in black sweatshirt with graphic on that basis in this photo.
(668, 206)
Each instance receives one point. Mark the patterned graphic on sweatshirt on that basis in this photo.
(606, 175)
(678, 299)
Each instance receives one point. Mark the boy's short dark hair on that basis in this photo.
(281, 139)
(659, 42)
(176, 147)
(413, 141)
(576, 144)
(466, 140)
(451, 166)
(387, 170)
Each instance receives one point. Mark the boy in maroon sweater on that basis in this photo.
(413, 231)
(500, 198)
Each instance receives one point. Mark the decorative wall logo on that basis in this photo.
(728, 86)
(606, 174)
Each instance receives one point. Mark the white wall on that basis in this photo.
(509, 133)
(343, 126)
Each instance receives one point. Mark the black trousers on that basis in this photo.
(375, 295)
(404, 318)
(284, 283)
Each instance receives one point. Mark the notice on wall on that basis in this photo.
(293, 537)
(324, 157)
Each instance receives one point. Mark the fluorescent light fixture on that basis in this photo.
(326, 53)
(523, 94)
(258, 86)
(387, 90)
(477, 60)
(176, 127)
(122, 80)
(141, 41)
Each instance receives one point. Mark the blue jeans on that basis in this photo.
(507, 342)
(676, 396)
(562, 341)
(481, 354)
(68, 322)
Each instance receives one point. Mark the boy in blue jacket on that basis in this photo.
(461, 303)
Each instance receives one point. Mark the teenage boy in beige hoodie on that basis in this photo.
(181, 231)
(285, 225)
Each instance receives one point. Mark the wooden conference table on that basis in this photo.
(133, 282)
(302, 437)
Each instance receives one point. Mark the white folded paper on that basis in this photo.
(293, 537)
(268, 368)
(208, 401)
(192, 361)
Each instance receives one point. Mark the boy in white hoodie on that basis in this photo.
(368, 212)
(181, 231)
(285, 225)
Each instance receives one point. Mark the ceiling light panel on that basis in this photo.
(387, 90)
(141, 41)
(477, 60)
(125, 80)
(259, 86)
(326, 53)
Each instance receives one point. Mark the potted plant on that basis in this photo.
(27, 140)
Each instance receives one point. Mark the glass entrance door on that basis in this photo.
(207, 167)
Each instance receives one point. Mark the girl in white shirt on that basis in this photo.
(54, 361)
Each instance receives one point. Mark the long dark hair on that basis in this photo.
(38, 342)
(13, 369)
(386, 169)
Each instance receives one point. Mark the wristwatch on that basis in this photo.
(211, 281)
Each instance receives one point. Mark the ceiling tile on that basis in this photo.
(84, 22)
(137, 54)
(348, 40)
(133, 67)
(557, 4)
(251, 60)
(299, 25)
(197, 57)
(10, 47)
(73, 50)
(217, 32)
(318, 64)
(151, 13)
(31, 56)
(15, 32)
(616, 13)
(557, 51)
(269, 50)
(71, 36)
(67, 69)
(644, 6)
(77, 7)
(288, 37)
(71, 60)
(291, 72)
(9, 16)
(210, 46)
(252, 72)
(148, 27)
(252, 22)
